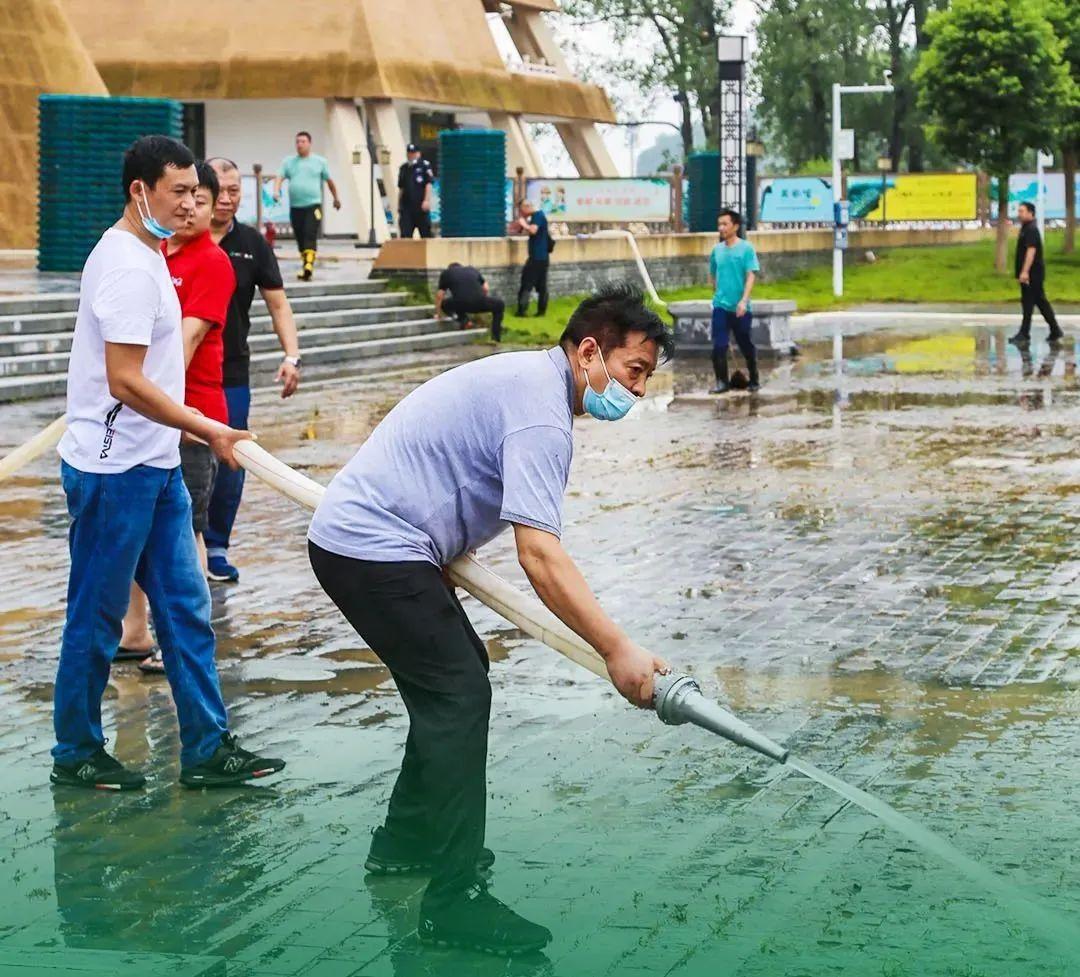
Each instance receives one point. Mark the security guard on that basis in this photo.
(414, 194)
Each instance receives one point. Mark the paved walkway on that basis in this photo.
(879, 567)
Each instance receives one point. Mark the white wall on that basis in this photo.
(262, 130)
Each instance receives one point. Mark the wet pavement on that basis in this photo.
(875, 561)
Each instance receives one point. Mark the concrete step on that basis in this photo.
(312, 339)
(314, 328)
(302, 305)
(31, 305)
(335, 359)
(342, 310)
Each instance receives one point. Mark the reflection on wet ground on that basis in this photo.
(875, 561)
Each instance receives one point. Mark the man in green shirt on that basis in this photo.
(306, 173)
(733, 267)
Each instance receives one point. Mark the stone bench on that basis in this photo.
(771, 332)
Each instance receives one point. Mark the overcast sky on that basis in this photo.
(595, 38)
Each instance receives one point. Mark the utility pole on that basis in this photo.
(840, 206)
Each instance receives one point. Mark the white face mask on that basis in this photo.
(149, 222)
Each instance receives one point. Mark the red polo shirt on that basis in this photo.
(204, 281)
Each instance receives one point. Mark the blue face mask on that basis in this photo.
(148, 221)
(613, 404)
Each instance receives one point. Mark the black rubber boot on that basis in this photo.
(751, 366)
(720, 369)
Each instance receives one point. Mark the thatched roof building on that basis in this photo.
(433, 51)
(41, 53)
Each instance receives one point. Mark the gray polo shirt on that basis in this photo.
(479, 447)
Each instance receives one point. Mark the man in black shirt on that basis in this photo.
(1031, 273)
(254, 263)
(414, 194)
(534, 273)
(468, 293)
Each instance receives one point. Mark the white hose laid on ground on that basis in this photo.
(467, 572)
(38, 444)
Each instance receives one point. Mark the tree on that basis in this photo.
(1064, 16)
(681, 39)
(804, 46)
(992, 83)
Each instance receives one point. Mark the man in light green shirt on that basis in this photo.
(306, 173)
(733, 268)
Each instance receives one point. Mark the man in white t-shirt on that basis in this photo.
(130, 513)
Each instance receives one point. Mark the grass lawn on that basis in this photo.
(953, 273)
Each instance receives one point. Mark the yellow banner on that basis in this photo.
(914, 197)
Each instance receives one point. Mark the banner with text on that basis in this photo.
(1023, 186)
(578, 201)
(795, 199)
(914, 197)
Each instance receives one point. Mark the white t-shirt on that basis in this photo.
(125, 296)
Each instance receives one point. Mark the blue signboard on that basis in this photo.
(795, 199)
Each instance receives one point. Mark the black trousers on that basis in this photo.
(1032, 296)
(305, 225)
(409, 220)
(481, 303)
(414, 622)
(533, 275)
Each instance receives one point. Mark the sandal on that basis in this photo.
(131, 654)
(153, 665)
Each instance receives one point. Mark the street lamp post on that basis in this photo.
(839, 205)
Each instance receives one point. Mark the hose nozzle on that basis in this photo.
(677, 699)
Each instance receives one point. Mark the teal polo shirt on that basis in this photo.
(306, 175)
(729, 266)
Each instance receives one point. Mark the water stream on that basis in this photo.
(1051, 927)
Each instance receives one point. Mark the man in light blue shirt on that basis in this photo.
(733, 268)
(478, 449)
(306, 173)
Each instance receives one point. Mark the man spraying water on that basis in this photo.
(469, 452)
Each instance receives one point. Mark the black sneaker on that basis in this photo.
(390, 856)
(229, 766)
(476, 920)
(98, 772)
(720, 388)
(1055, 338)
(1020, 339)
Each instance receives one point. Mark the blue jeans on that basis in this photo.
(229, 485)
(136, 524)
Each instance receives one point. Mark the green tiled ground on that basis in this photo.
(882, 571)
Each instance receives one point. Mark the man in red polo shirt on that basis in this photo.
(204, 280)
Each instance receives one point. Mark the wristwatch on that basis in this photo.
(293, 361)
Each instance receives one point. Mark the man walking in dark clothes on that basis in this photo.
(534, 275)
(414, 194)
(1030, 271)
(468, 293)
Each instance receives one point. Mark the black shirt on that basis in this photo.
(540, 242)
(464, 282)
(1030, 238)
(254, 263)
(411, 181)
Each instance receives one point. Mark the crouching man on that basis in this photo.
(484, 446)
